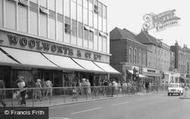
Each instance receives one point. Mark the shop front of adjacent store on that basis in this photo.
(35, 59)
(153, 75)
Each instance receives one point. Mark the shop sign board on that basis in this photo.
(28, 43)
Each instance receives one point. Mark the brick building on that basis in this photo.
(158, 56)
(127, 52)
(182, 60)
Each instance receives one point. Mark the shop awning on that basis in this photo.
(88, 65)
(4, 59)
(29, 58)
(106, 67)
(63, 62)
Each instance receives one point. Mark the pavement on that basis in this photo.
(149, 106)
(66, 99)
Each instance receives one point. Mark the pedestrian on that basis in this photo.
(74, 92)
(84, 87)
(2, 92)
(124, 88)
(38, 93)
(147, 86)
(88, 87)
(49, 90)
(22, 90)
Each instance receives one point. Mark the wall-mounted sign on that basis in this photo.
(34, 44)
(160, 21)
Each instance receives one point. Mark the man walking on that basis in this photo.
(2, 87)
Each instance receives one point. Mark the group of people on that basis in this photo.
(43, 88)
(85, 88)
(38, 90)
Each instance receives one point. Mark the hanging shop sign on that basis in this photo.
(27, 43)
(160, 21)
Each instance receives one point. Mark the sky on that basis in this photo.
(129, 14)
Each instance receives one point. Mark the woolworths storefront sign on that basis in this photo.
(34, 44)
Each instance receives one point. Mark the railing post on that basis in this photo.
(12, 92)
(32, 89)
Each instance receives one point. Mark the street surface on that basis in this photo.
(152, 106)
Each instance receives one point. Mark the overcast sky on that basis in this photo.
(129, 14)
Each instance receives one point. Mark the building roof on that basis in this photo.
(118, 33)
(145, 38)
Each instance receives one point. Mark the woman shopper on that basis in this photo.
(38, 93)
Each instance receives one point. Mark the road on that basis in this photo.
(130, 107)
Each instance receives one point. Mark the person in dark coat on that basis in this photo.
(22, 89)
(2, 86)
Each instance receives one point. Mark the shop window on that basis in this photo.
(33, 18)
(95, 21)
(100, 9)
(74, 28)
(52, 17)
(90, 18)
(100, 43)
(52, 5)
(85, 4)
(60, 17)
(131, 55)
(85, 38)
(73, 10)
(60, 27)
(59, 6)
(85, 16)
(67, 25)
(22, 19)
(52, 14)
(34, 1)
(67, 8)
(43, 25)
(104, 44)
(91, 39)
(67, 37)
(1, 13)
(60, 31)
(80, 34)
(80, 30)
(74, 32)
(100, 24)
(43, 3)
(79, 13)
(96, 7)
(67, 28)
(79, 2)
(104, 12)
(33, 7)
(10, 15)
(135, 56)
(96, 40)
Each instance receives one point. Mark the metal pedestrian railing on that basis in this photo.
(62, 95)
